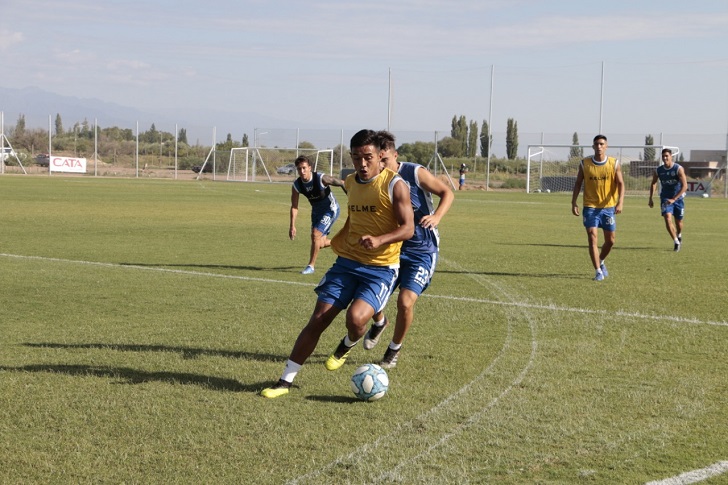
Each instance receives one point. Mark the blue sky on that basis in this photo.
(327, 63)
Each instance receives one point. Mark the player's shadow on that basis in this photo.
(335, 399)
(172, 266)
(186, 352)
(127, 375)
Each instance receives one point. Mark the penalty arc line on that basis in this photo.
(534, 306)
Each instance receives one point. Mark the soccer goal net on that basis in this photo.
(553, 168)
(251, 164)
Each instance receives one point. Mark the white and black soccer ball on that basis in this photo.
(369, 382)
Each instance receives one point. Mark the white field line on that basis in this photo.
(689, 477)
(360, 456)
(694, 476)
(534, 306)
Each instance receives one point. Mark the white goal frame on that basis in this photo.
(244, 162)
(540, 179)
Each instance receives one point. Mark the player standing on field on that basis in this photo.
(673, 185)
(324, 208)
(603, 199)
(361, 280)
(419, 253)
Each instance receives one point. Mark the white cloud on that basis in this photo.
(8, 39)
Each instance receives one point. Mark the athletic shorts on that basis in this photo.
(677, 208)
(604, 218)
(348, 280)
(416, 270)
(324, 220)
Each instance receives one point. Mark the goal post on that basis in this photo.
(553, 168)
(248, 164)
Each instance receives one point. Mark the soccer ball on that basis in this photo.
(369, 382)
(548, 191)
(705, 195)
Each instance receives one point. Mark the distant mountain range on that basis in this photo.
(38, 105)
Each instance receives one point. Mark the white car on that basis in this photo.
(287, 169)
(7, 153)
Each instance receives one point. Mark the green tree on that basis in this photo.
(473, 139)
(649, 152)
(486, 139)
(450, 147)
(576, 152)
(59, 125)
(246, 142)
(20, 126)
(418, 152)
(511, 139)
(459, 132)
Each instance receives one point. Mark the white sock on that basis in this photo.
(289, 373)
(677, 241)
(380, 322)
(348, 342)
(601, 262)
(394, 346)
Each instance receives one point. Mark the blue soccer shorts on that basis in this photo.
(604, 218)
(677, 208)
(348, 280)
(416, 270)
(322, 221)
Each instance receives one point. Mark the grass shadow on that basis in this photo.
(186, 352)
(127, 375)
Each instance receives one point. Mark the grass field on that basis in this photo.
(141, 318)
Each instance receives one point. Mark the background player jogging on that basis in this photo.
(324, 208)
(673, 184)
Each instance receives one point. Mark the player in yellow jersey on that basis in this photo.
(380, 217)
(603, 184)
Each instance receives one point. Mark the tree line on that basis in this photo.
(117, 144)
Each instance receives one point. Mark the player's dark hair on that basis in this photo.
(302, 159)
(600, 137)
(386, 140)
(666, 150)
(363, 138)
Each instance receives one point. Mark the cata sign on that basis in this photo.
(67, 164)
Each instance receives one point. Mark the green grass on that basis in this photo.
(141, 318)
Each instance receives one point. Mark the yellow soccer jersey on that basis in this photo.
(370, 212)
(600, 185)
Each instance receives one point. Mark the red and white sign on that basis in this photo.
(696, 188)
(67, 164)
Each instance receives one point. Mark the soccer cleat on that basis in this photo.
(308, 270)
(604, 270)
(278, 389)
(390, 358)
(677, 247)
(599, 276)
(372, 337)
(339, 356)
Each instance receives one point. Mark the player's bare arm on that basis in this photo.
(435, 186)
(620, 188)
(294, 213)
(577, 189)
(653, 186)
(329, 180)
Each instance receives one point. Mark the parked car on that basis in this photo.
(8, 153)
(287, 169)
(43, 159)
(197, 168)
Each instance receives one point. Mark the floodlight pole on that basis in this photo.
(601, 101)
(490, 128)
(389, 102)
